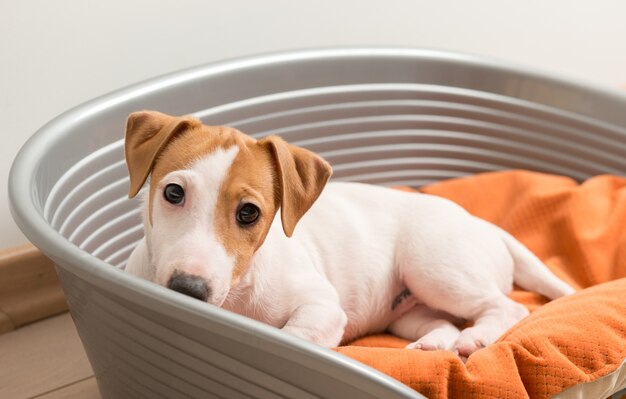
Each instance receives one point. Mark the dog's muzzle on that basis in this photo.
(193, 286)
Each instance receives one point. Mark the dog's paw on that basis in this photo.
(464, 350)
(425, 346)
(438, 339)
(469, 342)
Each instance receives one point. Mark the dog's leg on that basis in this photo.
(468, 296)
(321, 323)
(497, 316)
(429, 329)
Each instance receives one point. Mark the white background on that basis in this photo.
(57, 54)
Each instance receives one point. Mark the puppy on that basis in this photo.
(252, 226)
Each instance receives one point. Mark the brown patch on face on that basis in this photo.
(251, 179)
(190, 146)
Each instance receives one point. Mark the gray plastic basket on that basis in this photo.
(385, 116)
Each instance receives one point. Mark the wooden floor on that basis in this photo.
(45, 360)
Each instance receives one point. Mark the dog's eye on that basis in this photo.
(174, 194)
(247, 214)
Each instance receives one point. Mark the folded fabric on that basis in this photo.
(577, 342)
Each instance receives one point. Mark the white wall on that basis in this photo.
(57, 54)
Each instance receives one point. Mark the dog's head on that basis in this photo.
(213, 195)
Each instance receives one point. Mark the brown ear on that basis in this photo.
(147, 133)
(302, 175)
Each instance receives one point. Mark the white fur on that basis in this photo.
(351, 256)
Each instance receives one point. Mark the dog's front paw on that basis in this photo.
(319, 323)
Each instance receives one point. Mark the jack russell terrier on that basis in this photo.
(342, 260)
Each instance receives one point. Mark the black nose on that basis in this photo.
(194, 286)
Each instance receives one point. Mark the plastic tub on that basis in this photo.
(384, 116)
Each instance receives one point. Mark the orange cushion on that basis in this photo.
(579, 231)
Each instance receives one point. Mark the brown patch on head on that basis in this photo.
(251, 180)
(269, 174)
(190, 146)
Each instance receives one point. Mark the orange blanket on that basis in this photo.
(579, 231)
